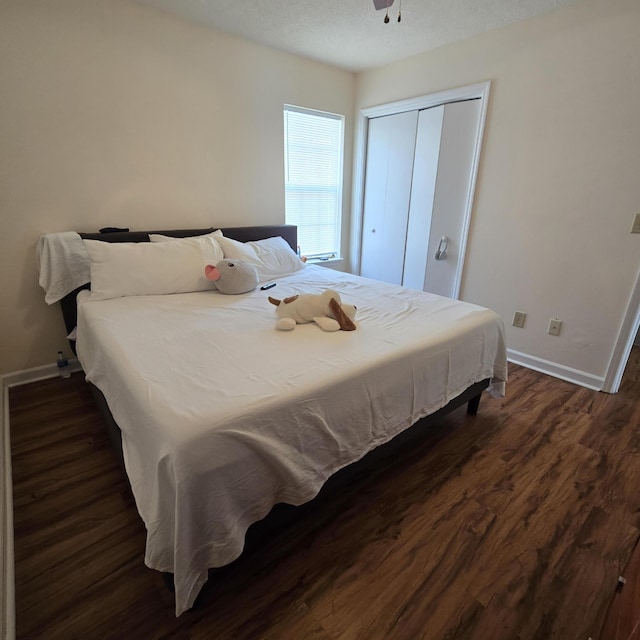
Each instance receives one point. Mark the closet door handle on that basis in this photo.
(441, 253)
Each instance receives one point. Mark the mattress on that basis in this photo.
(222, 416)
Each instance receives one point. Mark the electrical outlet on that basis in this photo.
(518, 319)
(554, 327)
(635, 228)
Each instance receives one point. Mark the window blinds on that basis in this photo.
(313, 143)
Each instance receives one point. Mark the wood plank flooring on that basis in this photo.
(511, 525)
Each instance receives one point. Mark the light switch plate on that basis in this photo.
(635, 228)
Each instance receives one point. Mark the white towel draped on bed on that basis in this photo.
(63, 263)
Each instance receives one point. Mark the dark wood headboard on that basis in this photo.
(242, 234)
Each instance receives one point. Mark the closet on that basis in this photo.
(419, 175)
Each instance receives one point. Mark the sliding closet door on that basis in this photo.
(425, 172)
(452, 195)
(387, 193)
(419, 174)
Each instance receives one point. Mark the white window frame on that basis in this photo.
(335, 252)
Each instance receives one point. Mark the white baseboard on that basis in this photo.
(568, 374)
(7, 581)
(37, 373)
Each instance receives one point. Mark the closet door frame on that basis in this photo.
(470, 92)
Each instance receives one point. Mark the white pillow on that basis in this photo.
(147, 268)
(272, 257)
(234, 250)
(208, 243)
(275, 258)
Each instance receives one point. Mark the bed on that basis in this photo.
(220, 417)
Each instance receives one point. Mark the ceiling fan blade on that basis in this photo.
(382, 4)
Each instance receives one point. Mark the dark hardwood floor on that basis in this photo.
(513, 524)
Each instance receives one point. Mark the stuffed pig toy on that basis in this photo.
(232, 276)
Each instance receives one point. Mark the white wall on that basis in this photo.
(558, 183)
(116, 114)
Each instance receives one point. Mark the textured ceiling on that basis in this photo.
(350, 33)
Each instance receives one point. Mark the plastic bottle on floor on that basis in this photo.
(63, 365)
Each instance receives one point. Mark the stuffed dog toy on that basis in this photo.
(325, 309)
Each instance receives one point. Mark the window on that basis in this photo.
(313, 143)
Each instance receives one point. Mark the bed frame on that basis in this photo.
(281, 515)
(242, 234)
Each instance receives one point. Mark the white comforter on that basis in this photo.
(222, 416)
